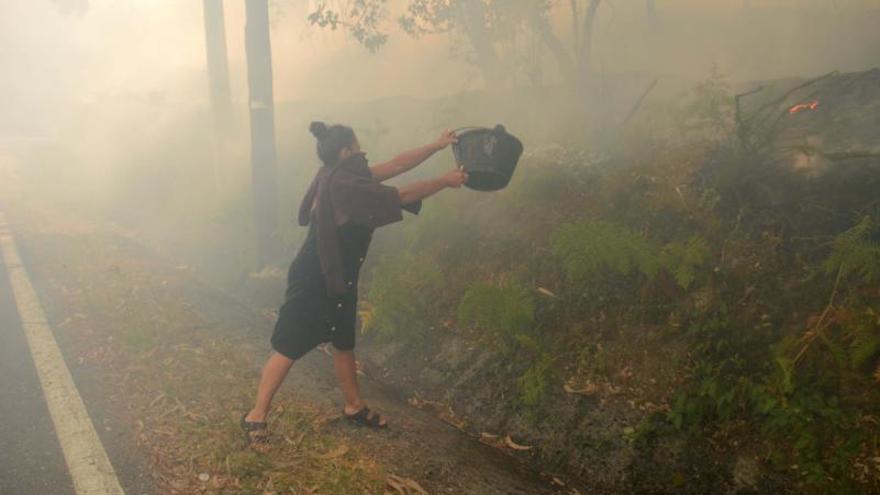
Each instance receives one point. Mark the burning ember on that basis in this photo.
(800, 107)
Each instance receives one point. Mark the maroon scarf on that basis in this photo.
(346, 190)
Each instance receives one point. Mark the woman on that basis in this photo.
(342, 207)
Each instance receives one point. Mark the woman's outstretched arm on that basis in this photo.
(416, 191)
(410, 159)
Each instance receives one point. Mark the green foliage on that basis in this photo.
(506, 311)
(587, 247)
(403, 295)
(683, 259)
(809, 427)
(799, 409)
(584, 248)
(715, 389)
(534, 382)
(853, 252)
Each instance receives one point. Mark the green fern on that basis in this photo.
(853, 252)
(587, 247)
(683, 259)
(533, 383)
(506, 310)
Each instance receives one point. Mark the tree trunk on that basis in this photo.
(651, 10)
(259, 61)
(218, 79)
(472, 18)
(585, 57)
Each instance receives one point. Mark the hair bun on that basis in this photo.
(318, 129)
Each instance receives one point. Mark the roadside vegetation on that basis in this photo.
(766, 307)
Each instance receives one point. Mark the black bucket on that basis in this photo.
(489, 156)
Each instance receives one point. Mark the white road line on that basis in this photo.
(86, 458)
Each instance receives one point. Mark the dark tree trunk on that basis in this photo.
(218, 68)
(259, 61)
(218, 79)
(472, 16)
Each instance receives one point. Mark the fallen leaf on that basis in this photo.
(156, 399)
(405, 486)
(515, 446)
(419, 402)
(588, 389)
(546, 292)
(450, 418)
(398, 486)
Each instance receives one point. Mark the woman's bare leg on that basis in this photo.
(274, 371)
(346, 372)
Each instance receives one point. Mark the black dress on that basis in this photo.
(310, 315)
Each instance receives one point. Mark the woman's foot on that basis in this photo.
(256, 433)
(254, 416)
(364, 416)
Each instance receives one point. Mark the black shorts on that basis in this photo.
(307, 320)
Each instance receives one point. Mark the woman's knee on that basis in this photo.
(280, 360)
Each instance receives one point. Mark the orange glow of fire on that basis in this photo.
(800, 107)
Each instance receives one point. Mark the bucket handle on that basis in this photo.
(455, 148)
(456, 131)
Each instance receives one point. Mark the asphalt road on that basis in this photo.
(31, 461)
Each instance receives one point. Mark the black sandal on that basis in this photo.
(365, 417)
(255, 432)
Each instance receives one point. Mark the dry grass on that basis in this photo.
(183, 384)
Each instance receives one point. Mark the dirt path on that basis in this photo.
(175, 362)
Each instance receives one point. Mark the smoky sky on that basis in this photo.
(61, 55)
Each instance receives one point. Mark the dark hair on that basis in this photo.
(331, 140)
